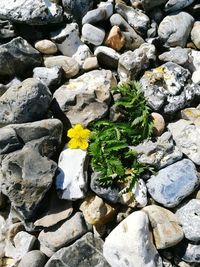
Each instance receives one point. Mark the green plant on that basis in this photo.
(111, 157)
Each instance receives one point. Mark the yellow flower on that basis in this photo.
(79, 137)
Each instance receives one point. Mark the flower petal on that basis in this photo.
(83, 144)
(73, 143)
(71, 133)
(85, 133)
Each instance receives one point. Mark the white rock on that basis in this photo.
(107, 7)
(140, 193)
(129, 244)
(196, 76)
(82, 53)
(72, 179)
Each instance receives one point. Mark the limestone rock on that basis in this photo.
(34, 258)
(83, 52)
(173, 183)
(191, 114)
(189, 253)
(129, 244)
(71, 181)
(166, 230)
(46, 47)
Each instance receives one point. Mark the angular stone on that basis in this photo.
(195, 33)
(107, 57)
(87, 251)
(174, 30)
(46, 47)
(115, 38)
(186, 136)
(129, 244)
(18, 58)
(166, 230)
(60, 235)
(21, 11)
(160, 153)
(26, 102)
(176, 55)
(173, 183)
(86, 98)
(172, 6)
(69, 65)
(150, 4)
(92, 34)
(96, 211)
(34, 258)
(71, 181)
(188, 215)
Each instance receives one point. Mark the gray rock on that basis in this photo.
(150, 51)
(26, 173)
(85, 252)
(26, 102)
(107, 57)
(83, 52)
(77, 8)
(176, 55)
(129, 244)
(69, 65)
(159, 153)
(188, 215)
(172, 5)
(3, 232)
(135, 17)
(4, 87)
(131, 64)
(67, 39)
(174, 30)
(173, 183)
(51, 77)
(86, 98)
(7, 29)
(92, 34)
(186, 135)
(18, 57)
(60, 235)
(9, 140)
(150, 4)
(195, 34)
(21, 11)
(189, 252)
(34, 258)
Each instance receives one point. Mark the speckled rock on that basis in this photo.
(46, 47)
(195, 33)
(173, 183)
(82, 53)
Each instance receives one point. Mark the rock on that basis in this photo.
(18, 57)
(166, 230)
(4, 87)
(77, 8)
(150, 4)
(87, 251)
(115, 39)
(186, 135)
(158, 123)
(46, 47)
(96, 211)
(9, 140)
(26, 102)
(7, 30)
(140, 193)
(135, 17)
(195, 55)
(174, 30)
(26, 173)
(107, 7)
(188, 252)
(195, 34)
(176, 55)
(3, 229)
(69, 65)
(150, 51)
(107, 57)
(51, 77)
(129, 244)
(131, 65)
(71, 181)
(172, 6)
(92, 34)
(158, 153)
(22, 243)
(34, 258)
(83, 52)
(189, 217)
(62, 234)
(87, 96)
(45, 11)
(173, 183)
(67, 39)
(191, 114)
(90, 63)
(195, 77)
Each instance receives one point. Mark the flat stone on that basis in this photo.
(96, 211)
(166, 230)
(71, 181)
(159, 153)
(86, 98)
(173, 183)
(195, 34)
(46, 47)
(92, 34)
(107, 57)
(186, 136)
(69, 65)
(172, 6)
(115, 38)
(176, 55)
(188, 215)
(26, 102)
(34, 258)
(85, 252)
(129, 244)
(58, 236)
(174, 30)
